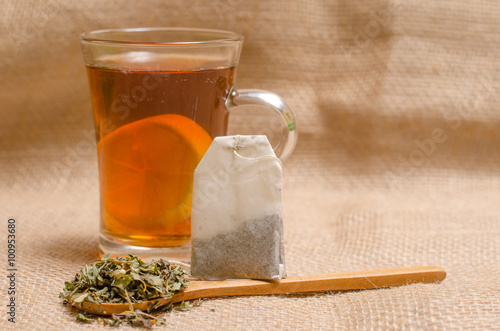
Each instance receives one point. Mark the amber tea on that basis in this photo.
(154, 120)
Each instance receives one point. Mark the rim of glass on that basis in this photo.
(224, 36)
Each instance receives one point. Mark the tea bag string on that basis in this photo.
(238, 147)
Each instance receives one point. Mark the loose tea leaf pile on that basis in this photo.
(125, 280)
(136, 318)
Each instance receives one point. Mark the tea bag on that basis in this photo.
(236, 217)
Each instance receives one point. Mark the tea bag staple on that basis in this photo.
(236, 218)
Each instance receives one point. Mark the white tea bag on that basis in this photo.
(236, 217)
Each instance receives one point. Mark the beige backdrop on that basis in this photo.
(396, 165)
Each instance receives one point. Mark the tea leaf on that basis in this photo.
(79, 297)
(154, 280)
(175, 286)
(101, 292)
(84, 319)
(185, 305)
(69, 286)
(117, 274)
(125, 280)
(135, 274)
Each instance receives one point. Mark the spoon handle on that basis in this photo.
(357, 280)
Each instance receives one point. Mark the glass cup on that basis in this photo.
(159, 97)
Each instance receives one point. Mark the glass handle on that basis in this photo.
(274, 102)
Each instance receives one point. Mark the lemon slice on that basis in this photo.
(146, 170)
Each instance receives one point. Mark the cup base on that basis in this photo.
(177, 254)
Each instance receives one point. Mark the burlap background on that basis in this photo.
(397, 163)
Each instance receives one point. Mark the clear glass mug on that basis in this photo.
(159, 97)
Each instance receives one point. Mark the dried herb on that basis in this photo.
(135, 318)
(125, 280)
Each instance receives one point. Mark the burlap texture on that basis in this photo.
(396, 165)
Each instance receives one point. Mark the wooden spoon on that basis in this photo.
(357, 280)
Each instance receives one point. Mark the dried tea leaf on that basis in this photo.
(175, 286)
(69, 286)
(84, 319)
(136, 275)
(125, 280)
(153, 280)
(79, 297)
(185, 305)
